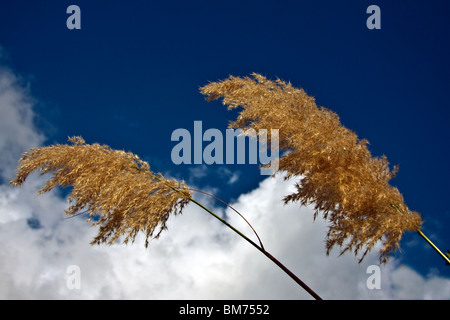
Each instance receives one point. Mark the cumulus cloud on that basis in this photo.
(197, 258)
(17, 130)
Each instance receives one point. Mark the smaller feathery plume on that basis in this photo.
(121, 189)
(115, 186)
(338, 174)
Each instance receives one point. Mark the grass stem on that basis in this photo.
(446, 258)
(262, 250)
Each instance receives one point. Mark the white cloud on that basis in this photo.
(17, 131)
(197, 258)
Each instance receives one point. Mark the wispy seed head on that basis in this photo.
(115, 185)
(338, 174)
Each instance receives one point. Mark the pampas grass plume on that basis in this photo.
(336, 171)
(118, 189)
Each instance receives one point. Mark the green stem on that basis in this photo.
(433, 246)
(267, 254)
(446, 258)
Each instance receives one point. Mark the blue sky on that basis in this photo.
(131, 76)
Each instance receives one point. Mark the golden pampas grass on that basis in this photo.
(118, 189)
(338, 174)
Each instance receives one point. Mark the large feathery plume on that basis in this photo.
(120, 192)
(337, 172)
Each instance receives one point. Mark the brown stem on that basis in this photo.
(267, 254)
(260, 248)
(229, 206)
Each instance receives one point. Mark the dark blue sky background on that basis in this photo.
(132, 74)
